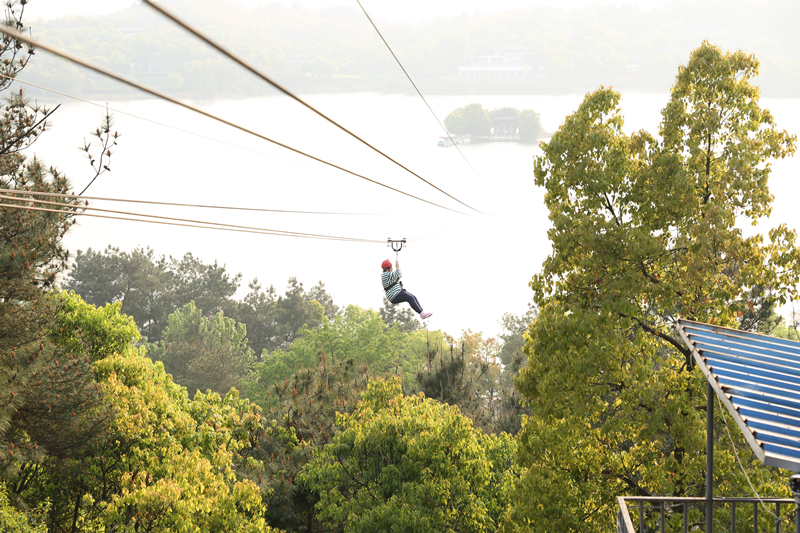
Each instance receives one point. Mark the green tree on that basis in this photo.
(137, 279)
(472, 119)
(71, 430)
(644, 232)
(513, 334)
(357, 334)
(557, 66)
(410, 464)
(204, 352)
(93, 332)
(294, 310)
(530, 126)
(150, 287)
(513, 360)
(208, 285)
(504, 112)
(273, 322)
(467, 372)
(321, 67)
(43, 390)
(12, 519)
(162, 461)
(303, 409)
(405, 318)
(257, 312)
(175, 464)
(173, 81)
(318, 293)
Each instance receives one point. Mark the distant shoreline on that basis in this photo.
(347, 85)
(427, 90)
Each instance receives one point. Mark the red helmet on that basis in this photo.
(386, 264)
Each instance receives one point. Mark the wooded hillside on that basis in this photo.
(336, 49)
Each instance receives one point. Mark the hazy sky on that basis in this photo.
(406, 10)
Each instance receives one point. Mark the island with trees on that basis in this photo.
(503, 124)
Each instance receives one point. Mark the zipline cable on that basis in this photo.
(288, 93)
(150, 202)
(260, 230)
(216, 227)
(419, 92)
(160, 123)
(14, 34)
(119, 111)
(30, 208)
(264, 230)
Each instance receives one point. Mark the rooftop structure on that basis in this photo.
(506, 62)
(757, 378)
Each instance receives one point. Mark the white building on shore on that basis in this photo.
(506, 62)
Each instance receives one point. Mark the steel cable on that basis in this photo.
(172, 204)
(174, 18)
(101, 70)
(209, 225)
(419, 92)
(266, 230)
(160, 123)
(202, 137)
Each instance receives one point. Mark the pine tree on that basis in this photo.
(33, 376)
(51, 410)
(405, 318)
(204, 352)
(303, 410)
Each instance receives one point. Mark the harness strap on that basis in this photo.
(398, 282)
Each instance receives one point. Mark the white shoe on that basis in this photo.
(425, 315)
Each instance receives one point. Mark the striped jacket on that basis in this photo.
(391, 284)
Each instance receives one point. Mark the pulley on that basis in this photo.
(395, 244)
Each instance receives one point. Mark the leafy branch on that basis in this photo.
(101, 163)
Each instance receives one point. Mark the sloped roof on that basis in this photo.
(757, 377)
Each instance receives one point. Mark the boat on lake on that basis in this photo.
(454, 139)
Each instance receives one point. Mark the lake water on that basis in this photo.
(468, 275)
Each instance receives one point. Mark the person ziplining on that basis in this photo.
(393, 287)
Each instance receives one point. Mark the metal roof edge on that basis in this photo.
(781, 461)
(748, 434)
(740, 333)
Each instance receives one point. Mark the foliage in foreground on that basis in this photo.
(160, 460)
(151, 457)
(644, 233)
(410, 464)
(13, 519)
(177, 459)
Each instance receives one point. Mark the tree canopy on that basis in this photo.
(644, 233)
(407, 463)
(150, 288)
(472, 119)
(204, 352)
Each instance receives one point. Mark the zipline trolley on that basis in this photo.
(395, 244)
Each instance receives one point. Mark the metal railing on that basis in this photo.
(662, 514)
